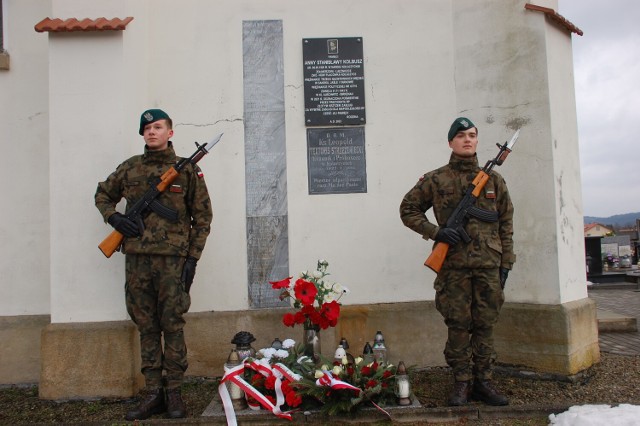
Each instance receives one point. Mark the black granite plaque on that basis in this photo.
(336, 160)
(333, 81)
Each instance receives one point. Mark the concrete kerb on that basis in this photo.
(414, 413)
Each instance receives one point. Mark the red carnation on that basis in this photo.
(270, 383)
(371, 384)
(289, 320)
(305, 291)
(293, 399)
(300, 317)
(280, 284)
(323, 322)
(331, 310)
(256, 379)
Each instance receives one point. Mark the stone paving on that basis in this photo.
(622, 301)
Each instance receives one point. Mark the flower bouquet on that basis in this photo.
(314, 296)
(277, 388)
(332, 388)
(345, 387)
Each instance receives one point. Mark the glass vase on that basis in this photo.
(311, 341)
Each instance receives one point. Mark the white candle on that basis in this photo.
(403, 389)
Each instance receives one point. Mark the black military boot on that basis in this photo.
(176, 409)
(460, 393)
(484, 391)
(152, 403)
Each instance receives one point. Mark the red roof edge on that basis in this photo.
(72, 24)
(555, 16)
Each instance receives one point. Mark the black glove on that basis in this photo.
(188, 272)
(449, 236)
(123, 225)
(504, 273)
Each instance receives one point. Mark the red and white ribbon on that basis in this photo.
(234, 375)
(328, 380)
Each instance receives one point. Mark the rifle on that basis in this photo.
(466, 207)
(149, 202)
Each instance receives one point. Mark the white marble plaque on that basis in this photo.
(265, 161)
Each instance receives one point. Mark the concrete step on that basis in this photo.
(612, 322)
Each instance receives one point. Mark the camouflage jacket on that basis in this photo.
(187, 195)
(492, 243)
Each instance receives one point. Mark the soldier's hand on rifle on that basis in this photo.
(504, 273)
(449, 236)
(188, 272)
(123, 225)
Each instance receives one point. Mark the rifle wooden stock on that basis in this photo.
(437, 256)
(110, 244)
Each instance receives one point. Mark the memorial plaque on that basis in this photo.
(333, 81)
(336, 160)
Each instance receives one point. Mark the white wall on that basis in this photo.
(567, 180)
(426, 62)
(24, 217)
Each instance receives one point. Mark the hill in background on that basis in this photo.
(619, 220)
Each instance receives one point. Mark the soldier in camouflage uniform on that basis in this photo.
(160, 260)
(469, 287)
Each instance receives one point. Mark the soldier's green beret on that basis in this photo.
(151, 116)
(460, 123)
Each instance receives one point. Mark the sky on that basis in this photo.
(607, 81)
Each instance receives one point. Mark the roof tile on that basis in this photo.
(555, 16)
(58, 25)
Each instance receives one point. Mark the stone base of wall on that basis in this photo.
(102, 359)
(20, 348)
(560, 339)
(4, 61)
(86, 360)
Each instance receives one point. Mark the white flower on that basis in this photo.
(358, 360)
(317, 274)
(345, 360)
(268, 353)
(318, 374)
(281, 353)
(328, 298)
(288, 343)
(337, 288)
(336, 370)
(326, 285)
(304, 274)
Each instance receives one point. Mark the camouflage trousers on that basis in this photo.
(156, 301)
(470, 302)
